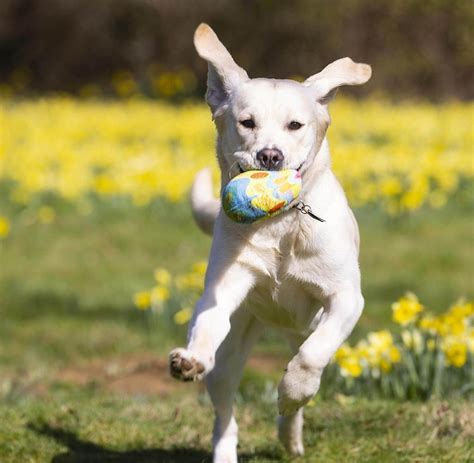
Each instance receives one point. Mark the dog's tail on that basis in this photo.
(204, 205)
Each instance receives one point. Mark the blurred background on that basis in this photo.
(418, 49)
(103, 126)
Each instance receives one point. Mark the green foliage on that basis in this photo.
(83, 426)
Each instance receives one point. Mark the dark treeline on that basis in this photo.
(417, 48)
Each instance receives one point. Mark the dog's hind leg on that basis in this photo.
(290, 432)
(222, 382)
(290, 427)
(303, 374)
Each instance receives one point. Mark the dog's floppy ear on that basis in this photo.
(224, 75)
(341, 72)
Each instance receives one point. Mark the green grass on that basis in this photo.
(78, 274)
(86, 426)
(65, 299)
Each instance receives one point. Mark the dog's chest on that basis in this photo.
(290, 281)
(284, 304)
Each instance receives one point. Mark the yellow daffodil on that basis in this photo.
(381, 341)
(394, 354)
(455, 351)
(461, 309)
(406, 310)
(189, 281)
(160, 294)
(342, 352)
(350, 366)
(183, 316)
(429, 324)
(4, 227)
(162, 276)
(450, 324)
(200, 267)
(142, 300)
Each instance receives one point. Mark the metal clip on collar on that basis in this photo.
(306, 209)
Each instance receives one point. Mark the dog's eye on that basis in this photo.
(293, 125)
(248, 123)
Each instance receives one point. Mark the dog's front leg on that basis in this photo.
(303, 375)
(227, 284)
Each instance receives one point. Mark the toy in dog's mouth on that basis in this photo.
(256, 194)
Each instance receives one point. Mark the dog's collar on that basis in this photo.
(306, 210)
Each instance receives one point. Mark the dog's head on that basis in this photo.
(269, 124)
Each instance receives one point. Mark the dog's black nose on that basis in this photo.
(270, 158)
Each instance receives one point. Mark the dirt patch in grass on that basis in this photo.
(140, 374)
(143, 373)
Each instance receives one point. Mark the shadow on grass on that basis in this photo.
(82, 451)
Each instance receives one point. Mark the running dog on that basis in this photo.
(291, 272)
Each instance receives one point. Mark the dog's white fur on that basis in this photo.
(290, 272)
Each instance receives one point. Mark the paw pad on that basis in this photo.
(185, 369)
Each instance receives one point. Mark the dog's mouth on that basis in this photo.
(241, 170)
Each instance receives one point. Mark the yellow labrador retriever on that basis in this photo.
(290, 272)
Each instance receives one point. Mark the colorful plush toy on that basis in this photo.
(256, 194)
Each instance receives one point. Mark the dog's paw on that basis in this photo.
(290, 433)
(225, 455)
(295, 449)
(299, 384)
(184, 366)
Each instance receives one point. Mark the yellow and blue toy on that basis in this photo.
(257, 194)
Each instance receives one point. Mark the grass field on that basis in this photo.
(89, 427)
(83, 376)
